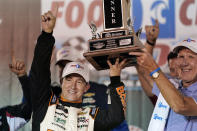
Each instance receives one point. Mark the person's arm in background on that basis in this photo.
(18, 68)
(152, 32)
(114, 115)
(15, 117)
(146, 84)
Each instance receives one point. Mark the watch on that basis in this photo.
(155, 75)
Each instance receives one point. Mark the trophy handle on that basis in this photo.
(93, 28)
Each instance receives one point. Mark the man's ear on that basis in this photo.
(87, 87)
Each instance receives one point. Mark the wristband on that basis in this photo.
(152, 44)
(156, 70)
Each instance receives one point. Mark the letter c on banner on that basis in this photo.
(183, 12)
(69, 14)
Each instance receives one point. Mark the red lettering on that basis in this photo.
(164, 50)
(91, 12)
(69, 11)
(196, 18)
(60, 4)
(183, 12)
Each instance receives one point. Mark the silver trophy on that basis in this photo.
(93, 28)
(138, 33)
(130, 24)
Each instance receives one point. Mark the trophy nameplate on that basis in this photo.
(117, 39)
(111, 42)
(113, 33)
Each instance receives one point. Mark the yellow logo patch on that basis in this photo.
(89, 94)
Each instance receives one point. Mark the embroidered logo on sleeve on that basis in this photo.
(121, 92)
(53, 100)
(93, 112)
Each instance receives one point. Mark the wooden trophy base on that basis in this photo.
(99, 58)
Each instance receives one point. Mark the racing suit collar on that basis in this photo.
(67, 103)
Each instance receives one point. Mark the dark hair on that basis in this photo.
(179, 48)
(171, 55)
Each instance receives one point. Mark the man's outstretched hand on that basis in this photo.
(48, 20)
(17, 66)
(152, 32)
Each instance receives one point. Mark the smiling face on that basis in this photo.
(73, 88)
(174, 67)
(188, 66)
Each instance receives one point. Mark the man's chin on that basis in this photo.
(74, 100)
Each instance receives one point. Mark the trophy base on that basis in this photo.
(99, 58)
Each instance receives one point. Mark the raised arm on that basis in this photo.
(18, 68)
(40, 76)
(146, 83)
(109, 119)
(152, 32)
